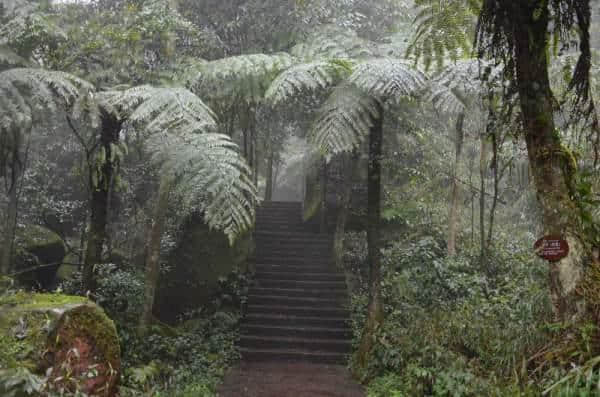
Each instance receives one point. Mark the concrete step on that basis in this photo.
(300, 293)
(295, 301)
(270, 267)
(318, 345)
(273, 319)
(297, 332)
(300, 276)
(323, 285)
(289, 355)
(293, 261)
(305, 311)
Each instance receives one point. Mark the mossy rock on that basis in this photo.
(41, 249)
(68, 337)
(201, 258)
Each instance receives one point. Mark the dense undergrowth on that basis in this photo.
(186, 359)
(466, 326)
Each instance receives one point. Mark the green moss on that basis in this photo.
(91, 320)
(29, 301)
(35, 315)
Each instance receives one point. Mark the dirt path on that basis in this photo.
(280, 379)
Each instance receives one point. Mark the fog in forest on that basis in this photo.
(297, 198)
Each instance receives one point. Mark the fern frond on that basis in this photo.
(153, 110)
(244, 76)
(333, 43)
(387, 79)
(344, 120)
(458, 85)
(307, 78)
(443, 31)
(25, 94)
(211, 177)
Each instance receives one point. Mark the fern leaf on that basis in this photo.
(344, 120)
(307, 78)
(387, 79)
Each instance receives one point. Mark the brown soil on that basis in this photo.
(289, 380)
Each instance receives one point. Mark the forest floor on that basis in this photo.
(280, 379)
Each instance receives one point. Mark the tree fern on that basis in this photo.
(458, 85)
(244, 76)
(307, 78)
(209, 174)
(387, 79)
(28, 95)
(210, 177)
(344, 120)
(333, 43)
(154, 110)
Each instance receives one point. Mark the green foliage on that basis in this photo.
(308, 78)
(25, 94)
(460, 85)
(333, 43)
(243, 78)
(210, 176)
(452, 327)
(153, 110)
(444, 31)
(345, 119)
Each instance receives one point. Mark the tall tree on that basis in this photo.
(518, 34)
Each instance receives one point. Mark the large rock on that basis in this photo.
(200, 259)
(68, 338)
(41, 250)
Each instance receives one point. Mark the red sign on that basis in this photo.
(551, 248)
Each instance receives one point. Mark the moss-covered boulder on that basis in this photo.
(67, 338)
(41, 250)
(201, 257)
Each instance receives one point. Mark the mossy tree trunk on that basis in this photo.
(375, 313)
(553, 168)
(454, 197)
(99, 181)
(153, 249)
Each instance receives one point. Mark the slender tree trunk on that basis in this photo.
(323, 212)
(99, 200)
(553, 167)
(375, 307)
(153, 249)
(471, 166)
(497, 176)
(350, 168)
(269, 184)
(482, 169)
(454, 200)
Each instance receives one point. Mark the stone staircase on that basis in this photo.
(296, 308)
